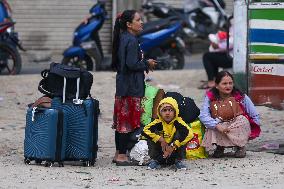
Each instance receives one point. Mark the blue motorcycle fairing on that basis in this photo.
(3, 12)
(151, 40)
(96, 10)
(84, 31)
(74, 51)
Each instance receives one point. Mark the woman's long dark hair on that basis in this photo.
(120, 26)
(218, 79)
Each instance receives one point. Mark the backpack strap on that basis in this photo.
(42, 83)
(44, 73)
(42, 90)
(76, 100)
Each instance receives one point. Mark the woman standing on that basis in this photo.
(129, 63)
(228, 133)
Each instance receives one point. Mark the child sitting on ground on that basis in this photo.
(167, 136)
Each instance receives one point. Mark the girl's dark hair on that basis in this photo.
(218, 79)
(120, 26)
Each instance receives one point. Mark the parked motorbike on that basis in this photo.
(87, 46)
(160, 40)
(10, 59)
(201, 20)
(157, 42)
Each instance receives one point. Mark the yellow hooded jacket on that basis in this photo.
(159, 128)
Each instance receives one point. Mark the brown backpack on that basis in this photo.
(225, 110)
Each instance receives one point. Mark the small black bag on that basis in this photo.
(188, 110)
(76, 83)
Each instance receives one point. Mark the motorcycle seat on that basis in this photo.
(156, 25)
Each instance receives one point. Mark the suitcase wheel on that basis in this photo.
(38, 162)
(89, 163)
(48, 164)
(93, 162)
(60, 164)
(27, 161)
(86, 163)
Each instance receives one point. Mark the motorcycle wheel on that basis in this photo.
(177, 59)
(10, 59)
(75, 61)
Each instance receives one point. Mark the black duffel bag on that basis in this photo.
(188, 110)
(66, 82)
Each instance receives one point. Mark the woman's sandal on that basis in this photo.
(219, 152)
(113, 161)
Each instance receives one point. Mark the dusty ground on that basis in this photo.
(257, 170)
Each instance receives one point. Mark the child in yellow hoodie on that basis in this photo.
(167, 136)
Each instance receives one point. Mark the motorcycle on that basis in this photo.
(203, 18)
(86, 42)
(10, 59)
(160, 40)
(157, 42)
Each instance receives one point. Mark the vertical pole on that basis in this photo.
(114, 12)
(240, 44)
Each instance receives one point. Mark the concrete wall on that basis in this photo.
(128, 4)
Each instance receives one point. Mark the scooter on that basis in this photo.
(160, 40)
(201, 20)
(159, 43)
(87, 46)
(10, 59)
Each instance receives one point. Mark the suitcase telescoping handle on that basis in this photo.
(76, 100)
(36, 110)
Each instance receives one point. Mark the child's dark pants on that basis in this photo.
(156, 153)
